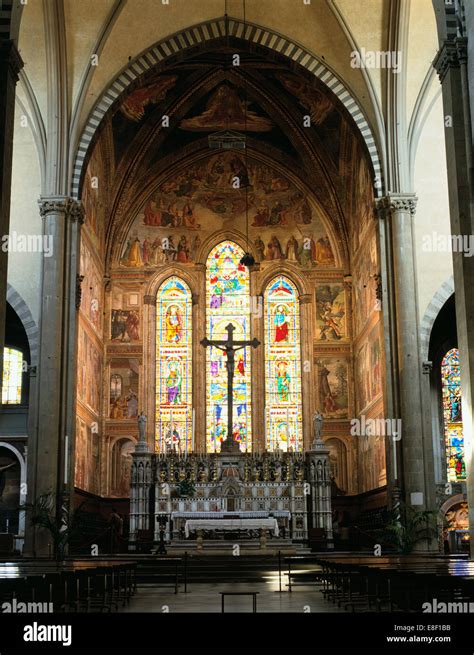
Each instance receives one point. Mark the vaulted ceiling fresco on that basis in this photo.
(161, 172)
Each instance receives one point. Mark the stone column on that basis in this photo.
(10, 66)
(412, 460)
(51, 468)
(452, 65)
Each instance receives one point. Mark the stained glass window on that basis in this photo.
(283, 418)
(174, 414)
(12, 376)
(452, 414)
(227, 301)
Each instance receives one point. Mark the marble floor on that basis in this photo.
(207, 598)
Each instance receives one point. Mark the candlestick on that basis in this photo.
(394, 459)
(193, 431)
(66, 458)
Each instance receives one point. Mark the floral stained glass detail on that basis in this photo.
(283, 408)
(227, 301)
(452, 414)
(12, 376)
(174, 419)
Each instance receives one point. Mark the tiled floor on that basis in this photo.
(206, 598)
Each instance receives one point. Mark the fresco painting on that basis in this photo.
(89, 371)
(210, 195)
(333, 387)
(123, 396)
(91, 289)
(330, 312)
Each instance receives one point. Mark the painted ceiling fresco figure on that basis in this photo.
(226, 111)
(134, 105)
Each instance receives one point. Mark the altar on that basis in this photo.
(253, 495)
(231, 525)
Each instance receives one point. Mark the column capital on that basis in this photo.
(397, 202)
(70, 207)
(305, 298)
(149, 299)
(427, 367)
(347, 281)
(452, 54)
(10, 55)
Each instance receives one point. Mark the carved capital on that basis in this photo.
(76, 211)
(79, 279)
(348, 282)
(149, 300)
(427, 367)
(9, 54)
(452, 54)
(378, 286)
(65, 205)
(396, 202)
(305, 298)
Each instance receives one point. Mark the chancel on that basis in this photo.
(245, 353)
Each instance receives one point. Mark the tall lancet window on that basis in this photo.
(283, 417)
(227, 301)
(174, 413)
(452, 414)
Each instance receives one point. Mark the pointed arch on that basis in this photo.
(283, 402)
(211, 31)
(174, 424)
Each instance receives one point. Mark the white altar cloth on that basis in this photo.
(231, 524)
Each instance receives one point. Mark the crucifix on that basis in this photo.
(229, 346)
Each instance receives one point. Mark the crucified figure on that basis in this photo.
(229, 346)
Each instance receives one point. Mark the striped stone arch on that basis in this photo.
(443, 294)
(24, 314)
(209, 31)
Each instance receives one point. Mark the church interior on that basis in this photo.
(235, 303)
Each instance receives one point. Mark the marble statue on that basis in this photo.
(142, 426)
(317, 425)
